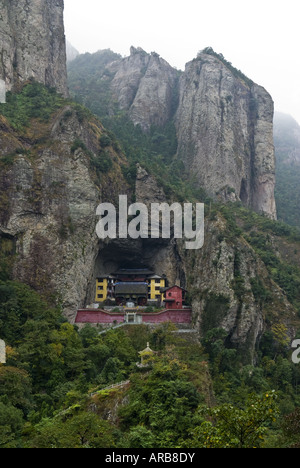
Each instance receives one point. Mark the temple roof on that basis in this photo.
(133, 271)
(171, 287)
(147, 350)
(131, 288)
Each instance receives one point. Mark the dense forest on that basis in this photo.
(54, 393)
(55, 390)
(54, 386)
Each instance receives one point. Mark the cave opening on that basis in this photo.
(151, 261)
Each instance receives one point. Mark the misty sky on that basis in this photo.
(259, 37)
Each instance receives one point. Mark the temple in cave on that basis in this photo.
(136, 295)
(137, 286)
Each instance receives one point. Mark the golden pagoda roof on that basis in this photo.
(147, 350)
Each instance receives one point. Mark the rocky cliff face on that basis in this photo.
(224, 121)
(221, 280)
(144, 85)
(32, 43)
(49, 192)
(224, 127)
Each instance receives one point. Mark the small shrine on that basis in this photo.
(2, 352)
(145, 355)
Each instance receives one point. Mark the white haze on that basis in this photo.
(259, 37)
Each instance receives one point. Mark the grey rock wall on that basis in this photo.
(225, 134)
(32, 43)
(224, 122)
(144, 86)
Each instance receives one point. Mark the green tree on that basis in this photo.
(164, 403)
(83, 430)
(15, 384)
(234, 427)
(11, 424)
(139, 437)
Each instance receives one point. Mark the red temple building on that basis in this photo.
(174, 297)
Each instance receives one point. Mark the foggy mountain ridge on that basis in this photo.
(72, 52)
(287, 152)
(286, 138)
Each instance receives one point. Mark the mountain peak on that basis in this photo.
(137, 50)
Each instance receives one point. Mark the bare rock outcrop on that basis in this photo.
(224, 121)
(144, 86)
(225, 133)
(32, 43)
